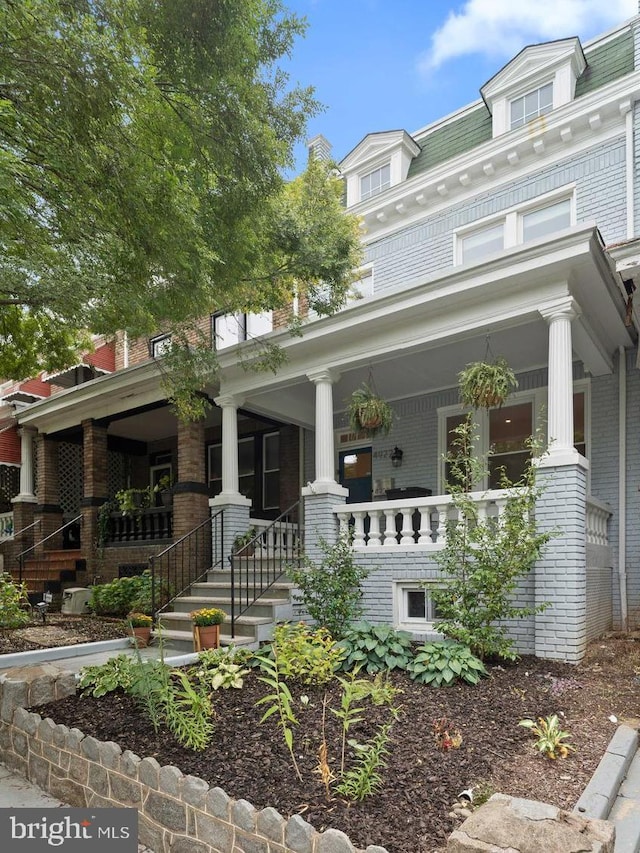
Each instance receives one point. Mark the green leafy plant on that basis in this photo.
(368, 412)
(375, 648)
(188, 712)
(242, 540)
(217, 669)
(279, 702)
(364, 778)
(122, 595)
(131, 502)
(551, 740)
(441, 663)
(305, 655)
(100, 679)
(13, 600)
(485, 384)
(205, 616)
(484, 558)
(331, 591)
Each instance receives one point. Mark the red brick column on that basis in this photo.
(48, 508)
(94, 487)
(190, 493)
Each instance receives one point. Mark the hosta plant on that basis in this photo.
(376, 648)
(443, 663)
(551, 740)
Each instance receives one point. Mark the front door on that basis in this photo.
(354, 470)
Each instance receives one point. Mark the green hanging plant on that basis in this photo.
(369, 413)
(485, 384)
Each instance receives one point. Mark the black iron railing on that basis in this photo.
(260, 563)
(40, 575)
(185, 561)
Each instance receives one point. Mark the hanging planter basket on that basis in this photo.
(369, 413)
(486, 384)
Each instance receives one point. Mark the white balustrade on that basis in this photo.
(598, 515)
(6, 525)
(415, 523)
(276, 538)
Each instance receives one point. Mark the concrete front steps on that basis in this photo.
(614, 790)
(252, 628)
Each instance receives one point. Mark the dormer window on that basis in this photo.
(532, 105)
(375, 182)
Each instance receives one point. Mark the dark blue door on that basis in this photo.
(354, 470)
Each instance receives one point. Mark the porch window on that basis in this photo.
(246, 467)
(509, 429)
(271, 470)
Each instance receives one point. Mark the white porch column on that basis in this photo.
(230, 493)
(560, 383)
(325, 452)
(27, 495)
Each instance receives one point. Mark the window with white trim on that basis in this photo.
(230, 329)
(375, 182)
(414, 607)
(533, 104)
(159, 346)
(271, 470)
(514, 227)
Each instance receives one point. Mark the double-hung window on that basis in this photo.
(546, 220)
(484, 241)
(159, 346)
(375, 182)
(229, 329)
(532, 105)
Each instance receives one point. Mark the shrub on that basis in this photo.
(443, 663)
(122, 595)
(376, 648)
(306, 655)
(13, 598)
(331, 591)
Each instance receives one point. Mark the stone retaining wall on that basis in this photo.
(176, 812)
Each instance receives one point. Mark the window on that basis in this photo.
(271, 471)
(532, 105)
(229, 329)
(415, 609)
(482, 242)
(509, 429)
(514, 227)
(159, 346)
(546, 220)
(375, 182)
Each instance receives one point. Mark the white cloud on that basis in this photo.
(500, 28)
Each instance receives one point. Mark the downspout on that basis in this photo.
(629, 173)
(125, 350)
(622, 485)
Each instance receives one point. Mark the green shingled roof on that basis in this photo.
(606, 63)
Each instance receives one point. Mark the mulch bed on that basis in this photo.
(59, 630)
(411, 811)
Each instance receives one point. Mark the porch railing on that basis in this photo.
(598, 515)
(6, 526)
(419, 523)
(147, 525)
(259, 564)
(185, 561)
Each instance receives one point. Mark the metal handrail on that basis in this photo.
(280, 542)
(175, 553)
(20, 557)
(28, 527)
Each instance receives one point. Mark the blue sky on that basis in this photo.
(389, 64)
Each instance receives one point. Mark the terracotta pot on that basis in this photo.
(368, 421)
(141, 636)
(206, 637)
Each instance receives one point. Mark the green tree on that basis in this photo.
(142, 151)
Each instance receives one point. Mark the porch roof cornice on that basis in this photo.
(128, 388)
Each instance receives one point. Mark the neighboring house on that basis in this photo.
(510, 224)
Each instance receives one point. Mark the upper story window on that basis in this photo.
(513, 228)
(375, 182)
(229, 329)
(532, 105)
(159, 346)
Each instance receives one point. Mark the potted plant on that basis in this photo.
(206, 627)
(163, 489)
(486, 385)
(140, 626)
(243, 545)
(369, 413)
(132, 501)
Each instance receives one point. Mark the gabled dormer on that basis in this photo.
(380, 161)
(541, 78)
